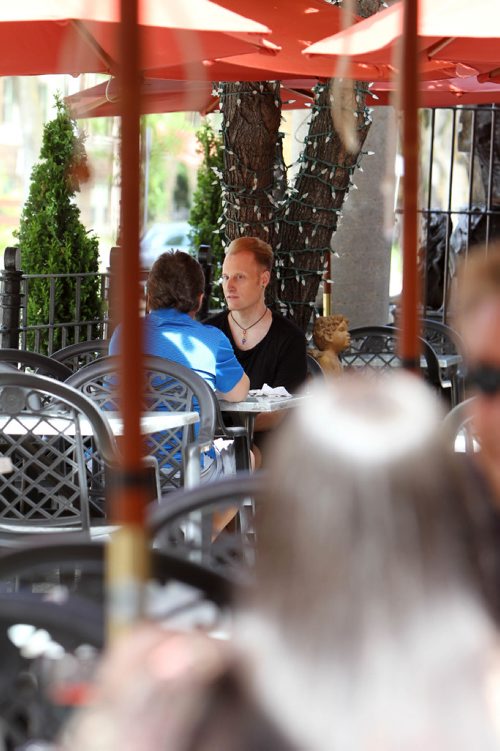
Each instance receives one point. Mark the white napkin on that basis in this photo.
(269, 391)
(6, 465)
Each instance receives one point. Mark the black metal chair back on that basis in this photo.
(191, 524)
(34, 362)
(36, 686)
(375, 348)
(43, 428)
(459, 429)
(314, 369)
(168, 387)
(44, 562)
(442, 338)
(201, 597)
(446, 341)
(76, 356)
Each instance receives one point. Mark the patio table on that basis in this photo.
(151, 422)
(254, 405)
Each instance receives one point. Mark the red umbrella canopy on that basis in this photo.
(295, 24)
(158, 95)
(443, 93)
(450, 32)
(75, 36)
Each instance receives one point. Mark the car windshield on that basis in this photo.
(163, 237)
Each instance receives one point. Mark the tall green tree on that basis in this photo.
(206, 210)
(51, 236)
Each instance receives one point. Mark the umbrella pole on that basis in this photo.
(127, 552)
(409, 341)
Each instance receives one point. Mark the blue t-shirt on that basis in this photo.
(176, 336)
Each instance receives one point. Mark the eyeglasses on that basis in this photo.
(486, 379)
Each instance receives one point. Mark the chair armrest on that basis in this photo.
(239, 435)
(151, 464)
(152, 475)
(191, 461)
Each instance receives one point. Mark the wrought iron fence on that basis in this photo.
(50, 334)
(460, 193)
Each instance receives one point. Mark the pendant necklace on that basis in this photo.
(244, 335)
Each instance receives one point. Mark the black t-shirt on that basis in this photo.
(279, 359)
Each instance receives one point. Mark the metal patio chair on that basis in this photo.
(34, 362)
(47, 434)
(375, 348)
(446, 341)
(314, 369)
(80, 564)
(76, 356)
(459, 429)
(212, 524)
(27, 684)
(179, 591)
(168, 387)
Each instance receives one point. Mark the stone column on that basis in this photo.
(363, 240)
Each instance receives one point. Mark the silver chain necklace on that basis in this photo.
(244, 335)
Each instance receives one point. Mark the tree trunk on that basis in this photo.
(252, 114)
(299, 225)
(310, 215)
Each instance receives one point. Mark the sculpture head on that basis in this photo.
(332, 333)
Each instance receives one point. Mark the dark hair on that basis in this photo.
(176, 280)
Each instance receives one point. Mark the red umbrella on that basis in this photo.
(295, 24)
(75, 36)
(450, 33)
(158, 95)
(446, 92)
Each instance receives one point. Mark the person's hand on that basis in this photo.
(148, 688)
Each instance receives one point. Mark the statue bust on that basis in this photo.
(331, 336)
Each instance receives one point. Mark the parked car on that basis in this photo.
(162, 237)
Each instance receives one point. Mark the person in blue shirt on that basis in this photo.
(174, 294)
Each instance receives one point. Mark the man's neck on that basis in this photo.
(249, 316)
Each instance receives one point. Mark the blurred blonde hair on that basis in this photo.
(368, 627)
(478, 279)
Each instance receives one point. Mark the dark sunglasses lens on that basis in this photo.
(486, 379)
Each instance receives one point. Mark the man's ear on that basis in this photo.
(266, 277)
(200, 300)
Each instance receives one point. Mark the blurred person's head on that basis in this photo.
(368, 628)
(176, 280)
(477, 317)
(478, 281)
